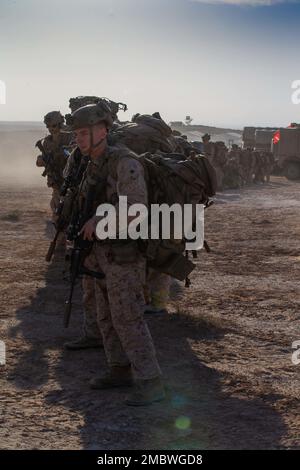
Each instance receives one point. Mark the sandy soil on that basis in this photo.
(225, 347)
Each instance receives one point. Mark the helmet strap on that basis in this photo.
(94, 145)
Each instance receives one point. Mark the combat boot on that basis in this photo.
(84, 342)
(117, 376)
(147, 392)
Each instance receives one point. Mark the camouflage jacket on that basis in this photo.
(115, 173)
(54, 149)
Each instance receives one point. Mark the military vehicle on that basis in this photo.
(286, 150)
(263, 139)
(258, 138)
(248, 137)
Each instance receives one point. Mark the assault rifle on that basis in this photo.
(81, 248)
(48, 160)
(71, 181)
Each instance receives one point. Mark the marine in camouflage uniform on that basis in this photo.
(91, 337)
(219, 162)
(238, 156)
(216, 152)
(208, 147)
(54, 144)
(258, 167)
(233, 174)
(112, 172)
(247, 165)
(269, 165)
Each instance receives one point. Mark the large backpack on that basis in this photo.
(146, 134)
(172, 179)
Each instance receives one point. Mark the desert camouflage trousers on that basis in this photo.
(120, 313)
(54, 203)
(90, 324)
(55, 197)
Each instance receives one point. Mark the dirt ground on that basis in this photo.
(225, 347)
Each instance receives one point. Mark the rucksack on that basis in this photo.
(146, 134)
(172, 179)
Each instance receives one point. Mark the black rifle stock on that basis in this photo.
(60, 226)
(74, 271)
(79, 252)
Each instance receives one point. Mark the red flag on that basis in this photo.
(276, 137)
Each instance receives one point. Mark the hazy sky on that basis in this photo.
(224, 62)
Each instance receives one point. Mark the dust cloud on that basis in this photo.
(18, 155)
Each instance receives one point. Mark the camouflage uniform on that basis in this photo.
(233, 172)
(91, 333)
(90, 326)
(219, 162)
(55, 176)
(126, 337)
(127, 341)
(258, 167)
(269, 165)
(247, 165)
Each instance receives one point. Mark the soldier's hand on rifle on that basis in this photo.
(89, 229)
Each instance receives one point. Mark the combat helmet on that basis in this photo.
(90, 115)
(80, 101)
(53, 118)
